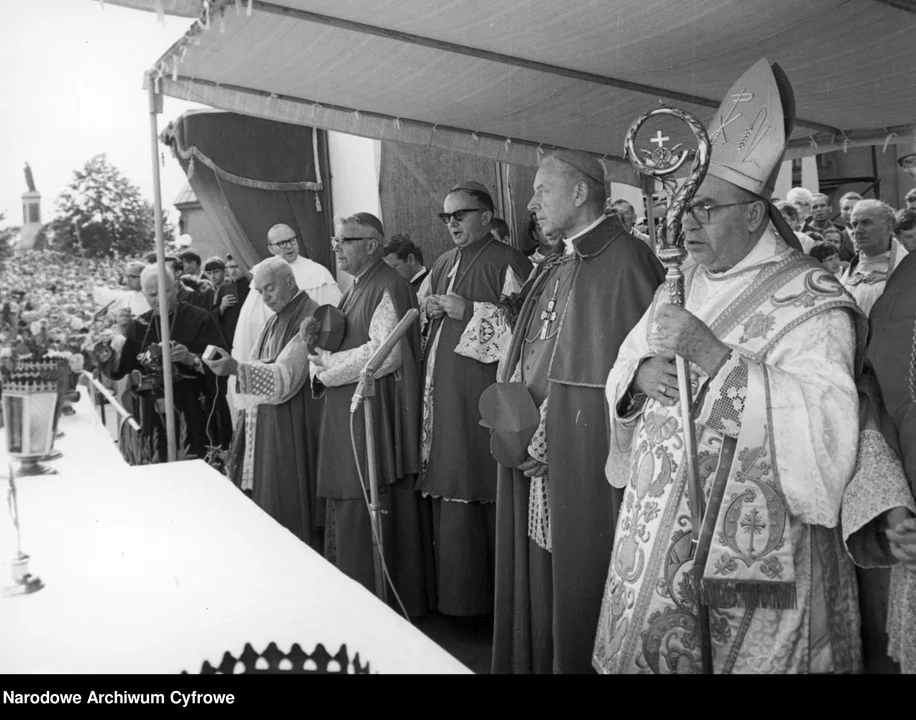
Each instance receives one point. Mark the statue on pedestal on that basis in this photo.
(29, 180)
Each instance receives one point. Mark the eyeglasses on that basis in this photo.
(335, 241)
(285, 243)
(702, 212)
(459, 215)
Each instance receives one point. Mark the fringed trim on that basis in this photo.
(728, 593)
(193, 153)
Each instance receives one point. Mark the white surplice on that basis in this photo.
(791, 374)
(867, 280)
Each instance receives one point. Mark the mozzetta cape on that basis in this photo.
(777, 432)
(612, 278)
(459, 367)
(397, 401)
(275, 448)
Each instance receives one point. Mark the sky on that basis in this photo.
(71, 86)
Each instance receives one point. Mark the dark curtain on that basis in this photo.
(250, 174)
(521, 188)
(413, 182)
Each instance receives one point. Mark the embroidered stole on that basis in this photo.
(745, 546)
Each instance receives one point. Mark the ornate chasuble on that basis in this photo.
(777, 431)
(460, 363)
(396, 404)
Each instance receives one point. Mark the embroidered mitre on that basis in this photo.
(748, 133)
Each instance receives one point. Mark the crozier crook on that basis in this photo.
(662, 163)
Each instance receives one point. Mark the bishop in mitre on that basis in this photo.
(771, 340)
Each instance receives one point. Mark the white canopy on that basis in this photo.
(500, 80)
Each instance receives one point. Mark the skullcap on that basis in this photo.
(471, 186)
(581, 161)
(370, 219)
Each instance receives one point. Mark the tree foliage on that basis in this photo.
(102, 213)
(8, 236)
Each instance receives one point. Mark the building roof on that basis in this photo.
(186, 196)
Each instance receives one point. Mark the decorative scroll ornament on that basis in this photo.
(296, 662)
(662, 163)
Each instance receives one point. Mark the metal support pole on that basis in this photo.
(375, 509)
(155, 107)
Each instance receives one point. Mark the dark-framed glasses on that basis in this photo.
(285, 243)
(459, 215)
(702, 211)
(335, 241)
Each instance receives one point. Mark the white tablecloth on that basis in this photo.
(156, 569)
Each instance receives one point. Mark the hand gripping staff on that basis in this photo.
(662, 163)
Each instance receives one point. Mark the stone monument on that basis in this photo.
(31, 213)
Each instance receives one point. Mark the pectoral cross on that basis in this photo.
(550, 314)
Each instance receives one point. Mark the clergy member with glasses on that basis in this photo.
(315, 279)
(373, 305)
(469, 326)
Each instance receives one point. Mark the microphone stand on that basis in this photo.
(365, 392)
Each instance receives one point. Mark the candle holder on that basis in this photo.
(22, 582)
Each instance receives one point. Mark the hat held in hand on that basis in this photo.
(509, 411)
(331, 330)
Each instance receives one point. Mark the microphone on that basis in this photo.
(378, 357)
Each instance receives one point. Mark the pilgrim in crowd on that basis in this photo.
(531, 454)
(872, 226)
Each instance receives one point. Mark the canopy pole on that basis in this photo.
(155, 107)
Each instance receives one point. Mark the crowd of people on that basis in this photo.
(45, 293)
(534, 459)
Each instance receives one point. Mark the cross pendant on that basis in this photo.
(548, 316)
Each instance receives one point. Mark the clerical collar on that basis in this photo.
(422, 270)
(364, 273)
(291, 301)
(471, 246)
(570, 241)
(767, 246)
(868, 263)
